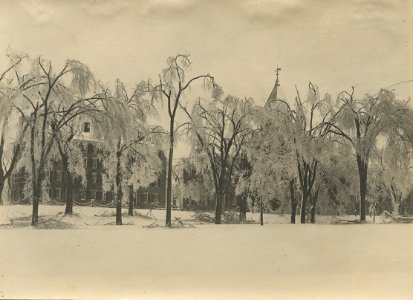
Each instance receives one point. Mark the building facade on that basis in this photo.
(88, 191)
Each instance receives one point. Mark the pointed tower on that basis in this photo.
(274, 93)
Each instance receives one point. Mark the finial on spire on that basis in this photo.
(277, 82)
(274, 94)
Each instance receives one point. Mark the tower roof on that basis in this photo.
(275, 93)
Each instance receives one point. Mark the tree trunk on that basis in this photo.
(119, 208)
(314, 199)
(261, 213)
(169, 183)
(243, 208)
(293, 213)
(35, 179)
(396, 205)
(130, 211)
(35, 211)
(69, 195)
(2, 180)
(36, 201)
(303, 210)
(69, 187)
(312, 220)
(119, 194)
(362, 168)
(396, 199)
(218, 208)
(293, 202)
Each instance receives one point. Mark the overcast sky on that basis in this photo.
(335, 44)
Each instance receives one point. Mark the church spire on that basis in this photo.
(274, 94)
(277, 82)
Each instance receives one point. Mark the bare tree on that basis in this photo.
(394, 175)
(9, 96)
(126, 138)
(220, 130)
(41, 89)
(360, 122)
(65, 117)
(304, 131)
(171, 88)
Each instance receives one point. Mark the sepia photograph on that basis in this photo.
(221, 149)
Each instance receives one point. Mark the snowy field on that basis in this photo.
(50, 215)
(275, 261)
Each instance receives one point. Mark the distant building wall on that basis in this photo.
(155, 194)
(89, 191)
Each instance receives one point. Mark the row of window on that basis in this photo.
(56, 193)
(60, 193)
(95, 195)
(58, 176)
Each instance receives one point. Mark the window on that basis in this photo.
(83, 195)
(98, 196)
(90, 148)
(59, 176)
(94, 163)
(58, 193)
(154, 198)
(50, 193)
(108, 196)
(91, 195)
(48, 176)
(93, 178)
(86, 127)
(144, 197)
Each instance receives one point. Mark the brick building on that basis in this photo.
(90, 191)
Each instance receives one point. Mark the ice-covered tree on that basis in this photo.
(394, 174)
(220, 129)
(74, 105)
(302, 130)
(172, 87)
(10, 134)
(360, 122)
(193, 182)
(270, 161)
(127, 141)
(43, 89)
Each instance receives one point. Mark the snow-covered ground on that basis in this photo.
(96, 216)
(275, 261)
